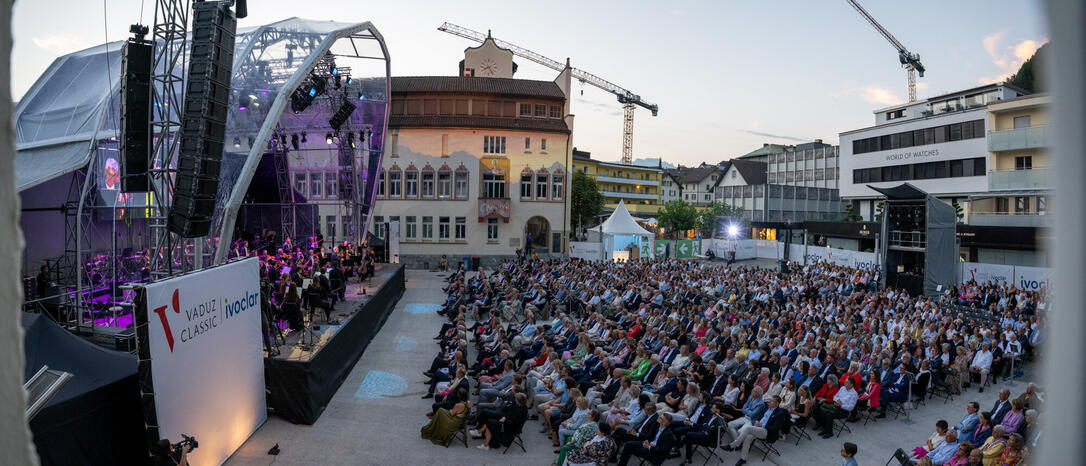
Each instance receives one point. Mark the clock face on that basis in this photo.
(488, 67)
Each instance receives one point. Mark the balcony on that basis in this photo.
(1021, 138)
(1011, 219)
(494, 206)
(1015, 180)
(611, 179)
(650, 197)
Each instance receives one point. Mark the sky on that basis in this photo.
(728, 75)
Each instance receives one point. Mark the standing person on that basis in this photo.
(848, 453)
(528, 243)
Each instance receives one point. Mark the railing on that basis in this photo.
(612, 179)
(1020, 138)
(907, 239)
(630, 195)
(1010, 180)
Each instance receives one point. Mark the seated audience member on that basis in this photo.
(501, 432)
(1013, 420)
(1012, 452)
(944, 452)
(969, 421)
(934, 441)
(444, 423)
(583, 433)
(595, 450)
(654, 450)
(766, 428)
(960, 457)
(844, 401)
(992, 448)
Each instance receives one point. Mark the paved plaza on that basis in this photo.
(376, 415)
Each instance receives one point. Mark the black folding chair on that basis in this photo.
(460, 434)
(710, 450)
(901, 457)
(766, 447)
(516, 439)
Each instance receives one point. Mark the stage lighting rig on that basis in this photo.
(294, 141)
(328, 138)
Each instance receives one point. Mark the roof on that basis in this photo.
(754, 173)
(621, 223)
(902, 192)
(477, 85)
(581, 154)
(766, 149)
(552, 125)
(696, 174)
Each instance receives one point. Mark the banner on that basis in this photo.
(207, 359)
(982, 273)
(687, 248)
(1032, 278)
(586, 250)
(394, 242)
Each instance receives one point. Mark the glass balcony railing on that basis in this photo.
(1011, 180)
(1015, 139)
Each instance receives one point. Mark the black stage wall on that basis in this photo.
(300, 390)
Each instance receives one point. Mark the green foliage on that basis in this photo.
(958, 211)
(851, 216)
(1028, 76)
(707, 216)
(586, 201)
(878, 211)
(677, 215)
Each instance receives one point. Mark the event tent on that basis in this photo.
(621, 230)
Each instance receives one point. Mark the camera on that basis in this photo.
(179, 447)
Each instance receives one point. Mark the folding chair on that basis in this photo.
(711, 449)
(516, 441)
(901, 457)
(800, 430)
(460, 434)
(766, 447)
(841, 424)
(868, 415)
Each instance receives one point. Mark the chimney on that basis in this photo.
(818, 141)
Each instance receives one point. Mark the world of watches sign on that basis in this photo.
(913, 154)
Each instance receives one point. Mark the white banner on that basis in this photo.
(588, 251)
(394, 242)
(1032, 278)
(207, 359)
(982, 273)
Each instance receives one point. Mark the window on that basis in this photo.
(330, 232)
(443, 228)
(381, 184)
(1021, 204)
(411, 228)
(461, 230)
(300, 184)
(526, 185)
(348, 225)
(427, 184)
(540, 110)
(492, 230)
(444, 184)
(557, 189)
(493, 185)
(378, 226)
(556, 111)
(395, 185)
(527, 143)
(460, 184)
(411, 183)
(1021, 121)
(1024, 162)
(427, 228)
(525, 110)
(556, 242)
(1042, 204)
(1002, 205)
(493, 144)
(543, 144)
(331, 184)
(541, 185)
(316, 185)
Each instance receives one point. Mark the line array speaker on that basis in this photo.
(203, 125)
(135, 111)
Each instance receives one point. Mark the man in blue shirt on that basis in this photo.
(942, 453)
(848, 453)
(968, 424)
(766, 428)
(753, 410)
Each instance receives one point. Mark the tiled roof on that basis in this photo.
(476, 85)
(696, 174)
(553, 125)
(753, 172)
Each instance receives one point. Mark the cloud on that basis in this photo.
(598, 106)
(880, 95)
(775, 136)
(920, 86)
(59, 43)
(1007, 58)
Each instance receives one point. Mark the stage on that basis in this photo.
(301, 381)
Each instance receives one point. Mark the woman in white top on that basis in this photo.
(732, 392)
(775, 388)
(788, 395)
(683, 358)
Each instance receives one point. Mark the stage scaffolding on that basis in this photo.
(112, 238)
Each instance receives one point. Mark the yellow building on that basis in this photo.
(1019, 164)
(638, 186)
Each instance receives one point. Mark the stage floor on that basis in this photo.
(293, 348)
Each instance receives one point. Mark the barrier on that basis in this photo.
(1021, 276)
(586, 250)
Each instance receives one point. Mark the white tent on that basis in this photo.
(621, 230)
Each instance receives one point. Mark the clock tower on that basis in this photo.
(488, 61)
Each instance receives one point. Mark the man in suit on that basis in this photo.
(896, 390)
(705, 431)
(719, 383)
(1002, 406)
(656, 449)
(644, 431)
(766, 428)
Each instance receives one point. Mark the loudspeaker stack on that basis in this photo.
(135, 115)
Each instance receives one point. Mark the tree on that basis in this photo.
(677, 215)
(1028, 76)
(878, 211)
(958, 211)
(586, 202)
(850, 215)
(707, 216)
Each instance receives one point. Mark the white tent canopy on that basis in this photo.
(621, 223)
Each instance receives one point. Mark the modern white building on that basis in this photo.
(937, 145)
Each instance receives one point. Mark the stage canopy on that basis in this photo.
(620, 232)
(68, 120)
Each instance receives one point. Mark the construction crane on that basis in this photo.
(909, 60)
(628, 99)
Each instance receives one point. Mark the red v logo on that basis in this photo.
(161, 311)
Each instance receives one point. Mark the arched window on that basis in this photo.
(411, 182)
(558, 188)
(541, 180)
(395, 182)
(460, 182)
(427, 178)
(526, 177)
(444, 182)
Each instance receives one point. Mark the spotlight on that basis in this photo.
(237, 142)
(294, 141)
(350, 80)
(335, 71)
(361, 96)
(303, 138)
(328, 138)
(350, 140)
(244, 102)
(733, 231)
(341, 115)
